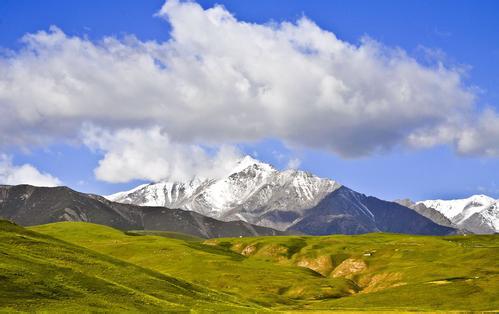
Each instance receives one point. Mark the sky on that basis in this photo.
(396, 99)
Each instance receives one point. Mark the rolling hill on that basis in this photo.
(292, 273)
(39, 272)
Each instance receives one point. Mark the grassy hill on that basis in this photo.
(215, 267)
(365, 272)
(392, 271)
(39, 272)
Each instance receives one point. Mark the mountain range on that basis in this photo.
(252, 199)
(290, 200)
(28, 206)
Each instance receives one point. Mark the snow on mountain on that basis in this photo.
(478, 213)
(253, 191)
(292, 200)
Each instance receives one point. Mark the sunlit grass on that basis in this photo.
(364, 272)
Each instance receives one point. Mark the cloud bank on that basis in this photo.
(24, 174)
(151, 155)
(221, 81)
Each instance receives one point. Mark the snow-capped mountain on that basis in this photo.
(478, 213)
(253, 191)
(293, 200)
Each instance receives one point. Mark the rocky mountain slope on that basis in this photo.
(28, 205)
(349, 212)
(429, 213)
(258, 193)
(477, 213)
(253, 191)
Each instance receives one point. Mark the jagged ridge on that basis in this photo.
(28, 205)
(258, 193)
(477, 213)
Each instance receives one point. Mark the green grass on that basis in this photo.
(166, 234)
(216, 267)
(365, 272)
(402, 272)
(38, 272)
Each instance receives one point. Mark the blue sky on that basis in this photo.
(459, 34)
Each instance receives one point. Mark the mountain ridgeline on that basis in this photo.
(252, 199)
(475, 214)
(28, 206)
(291, 200)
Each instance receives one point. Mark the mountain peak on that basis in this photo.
(481, 198)
(252, 191)
(248, 161)
(477, 213)
(475, 197)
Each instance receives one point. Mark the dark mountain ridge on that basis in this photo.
(28, 205)
(349, 212)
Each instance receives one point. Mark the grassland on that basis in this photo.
(39, 272)
(366, 272)
(398, 272)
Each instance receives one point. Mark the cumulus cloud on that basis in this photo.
(294, 163)
(483, 138)
(219, 80)
(25, 174)
(151, 155)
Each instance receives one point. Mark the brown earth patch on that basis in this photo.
(322, 264)
(249, 250)
(349, 267)
(381, 281)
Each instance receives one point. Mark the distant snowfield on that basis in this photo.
(478, 213)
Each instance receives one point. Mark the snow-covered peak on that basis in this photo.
(481, 198)
(476, 213)
(251, 191)
(248, 161)
(464, 207)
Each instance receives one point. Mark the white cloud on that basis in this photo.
(24, 174)
(151, 155)
(220, 81)
(481, 139)
(294, 163)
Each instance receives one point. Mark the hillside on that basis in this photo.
(407, 272)
(39, 272)
(216, 267)
(368, 272)
(29, 205)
